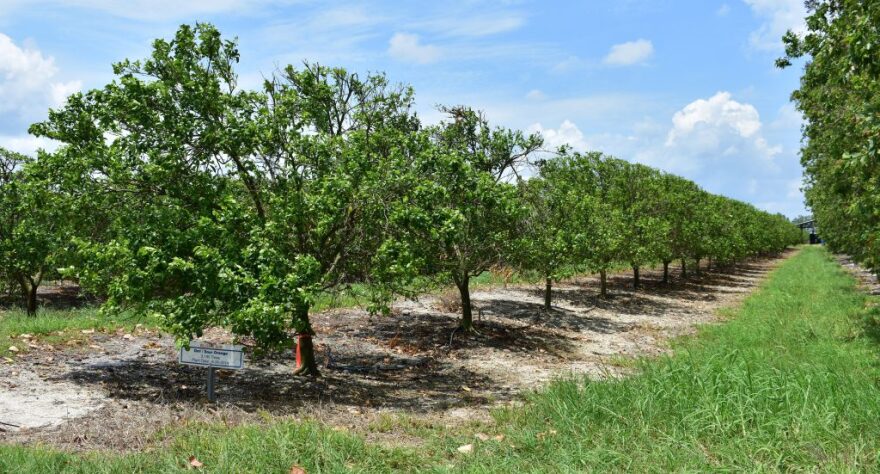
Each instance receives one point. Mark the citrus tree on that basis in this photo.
(839, 96)
(468, 209)
(555, 229)
(231, 207)
(34, 226)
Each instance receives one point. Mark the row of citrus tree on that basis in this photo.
(177, 194)
(839, 96)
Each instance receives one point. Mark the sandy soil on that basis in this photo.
(867, 280)
(119, 391)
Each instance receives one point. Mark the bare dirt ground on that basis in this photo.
(119, 391)
(867, 280)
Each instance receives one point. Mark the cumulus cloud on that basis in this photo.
(408, 47)
(629, 53)
(778, 16)
(567, 134)
(719, 110)
(28, 85)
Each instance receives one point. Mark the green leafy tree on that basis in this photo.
(229, 207)
(839, 96)
(554, 231)
(638, 192)
(677, 210)
(469, 211)
(33, 226)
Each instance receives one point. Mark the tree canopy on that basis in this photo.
(839, 99)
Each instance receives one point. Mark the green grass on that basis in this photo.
(788, 383)
(51, 326)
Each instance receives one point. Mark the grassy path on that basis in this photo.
(789, 383)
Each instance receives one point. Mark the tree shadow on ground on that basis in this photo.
(534, 316)
(425, 387)
(439, 332)
(53, 295)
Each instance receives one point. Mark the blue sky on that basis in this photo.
(686, 86)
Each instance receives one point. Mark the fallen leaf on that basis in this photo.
(466, 449)
(482, 436)
(94, 346)
(465, 388)
(9, 359)
(128, 337)
(297, 470)
(33, 346)
(12, 349)
(499, 438)
(26, 336)
(195, 462)
(88, 331)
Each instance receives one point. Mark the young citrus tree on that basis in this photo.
(638, 194)
(677, 211)
(556, 227)
(469, 212)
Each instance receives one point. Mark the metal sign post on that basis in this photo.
(201, 355)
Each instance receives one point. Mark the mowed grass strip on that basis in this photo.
(788, 383)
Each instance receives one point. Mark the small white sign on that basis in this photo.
(225, 357)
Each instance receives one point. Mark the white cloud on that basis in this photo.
(567, 134)
(474, 25)
(27, 144)
(536, 94)
(407, 47)
(719, 111)
(778, 16)
(629, 53)
(723, 10)
(28, 84)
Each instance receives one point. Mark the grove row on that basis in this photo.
(178, 194)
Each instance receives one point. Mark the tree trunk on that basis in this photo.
(28, 294)
(548, 294)
(32, 301)
(603, 277)
(697, 266)
(684, 268)
(709, 265)
(305, 350)
(666, 271)
(467, 319)
(635, 277)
